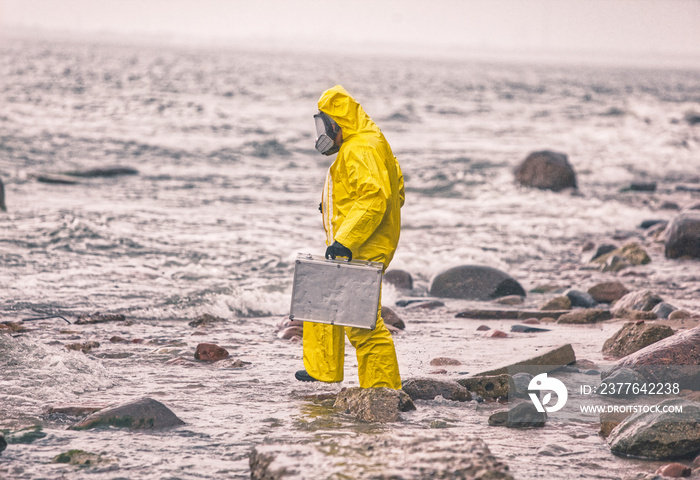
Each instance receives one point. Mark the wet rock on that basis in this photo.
(679, 315)
(526, 329)
(546, 170)
(442, 361)
(522, 415)
(683, 236)
(581, 299)
(635, 336)
(98, 317)
(487, 386)
(641, 300)
(290, 332)
(475, 282)
(114, 171)
(482, 328)
(144, 413)
(659, 435)
(374, 404)
(392, 318)
(674, 470)
(399, 278)
(3, 443)
(441, 455)
(621, 376)
(628, 255)
(85, 347)
(429, 305)
(586, 315)
(428, 389)
(510, 300)
(543, 363)
(118, 339)
(496, 334)
(608, 292)
(610, 420)
(519, 385)
(674, 359)
(602, 250)
(206, 320)
(3, 207)
(25, 436)
(557, 303)
(79, 457)
(209, 352)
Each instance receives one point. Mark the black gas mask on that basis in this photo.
(327, 130)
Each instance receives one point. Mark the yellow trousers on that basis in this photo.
(324, 353)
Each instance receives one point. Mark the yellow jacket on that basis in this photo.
(364, 190)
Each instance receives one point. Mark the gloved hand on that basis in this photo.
(338, 250)
(320, 207)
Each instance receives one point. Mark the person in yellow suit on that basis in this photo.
(361, 207)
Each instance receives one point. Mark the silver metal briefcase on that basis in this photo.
(336, 292)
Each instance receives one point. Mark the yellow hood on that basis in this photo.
(346, 112)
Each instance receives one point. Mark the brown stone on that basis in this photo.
(399, 278)
(209, 352)
(442, 361)
(543, 363)
(674, 359)
(679, 315)
(585, 315)
(374, 404)
(557, 303)
(482, 328)
(630, 254)
(85, 347)
(546, 170)
(487, 386)
(391, 318)
(495, 334)
(510, 300)
(674, 470)
(635, 336)
(428, 389)
(608, 292)
(531, 321)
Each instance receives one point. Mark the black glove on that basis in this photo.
(338, 250)
(320, 207)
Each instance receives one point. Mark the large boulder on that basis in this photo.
(374, 404)
(428, 389)
(144, 413)
(399, 278)
(546, 170)
(659, 434)
(683, 236)
(475, 282)
(675, 359)
(634, 336)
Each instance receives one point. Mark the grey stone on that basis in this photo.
(546, 170)
(522, 415)
(519, 384)
(374, 404)
(581, 299)
(428, 389)
(641, 300)
(623, 376)
(475, 282)
(659, 435)
(683, 236)
(608, 292)
(527, 329)
(399, 278)
(144, 413)
(635, 336)
(663, 309)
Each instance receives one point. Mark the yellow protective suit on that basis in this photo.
(361, 207)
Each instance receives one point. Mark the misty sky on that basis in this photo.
(632, 28)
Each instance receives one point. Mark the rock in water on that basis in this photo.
(144, 413)
(635, 336)
(659, 435)
(3, 207)
(523, 415)
(543, 363)
(209, 352)
(546, 170)
(675, 359)
(374, 404)
(475, 282)
(399, 278)
(683, 236)
(487, 386)
(428, 389)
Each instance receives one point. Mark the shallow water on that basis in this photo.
(227, 194)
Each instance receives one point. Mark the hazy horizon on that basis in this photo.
(647, 32)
